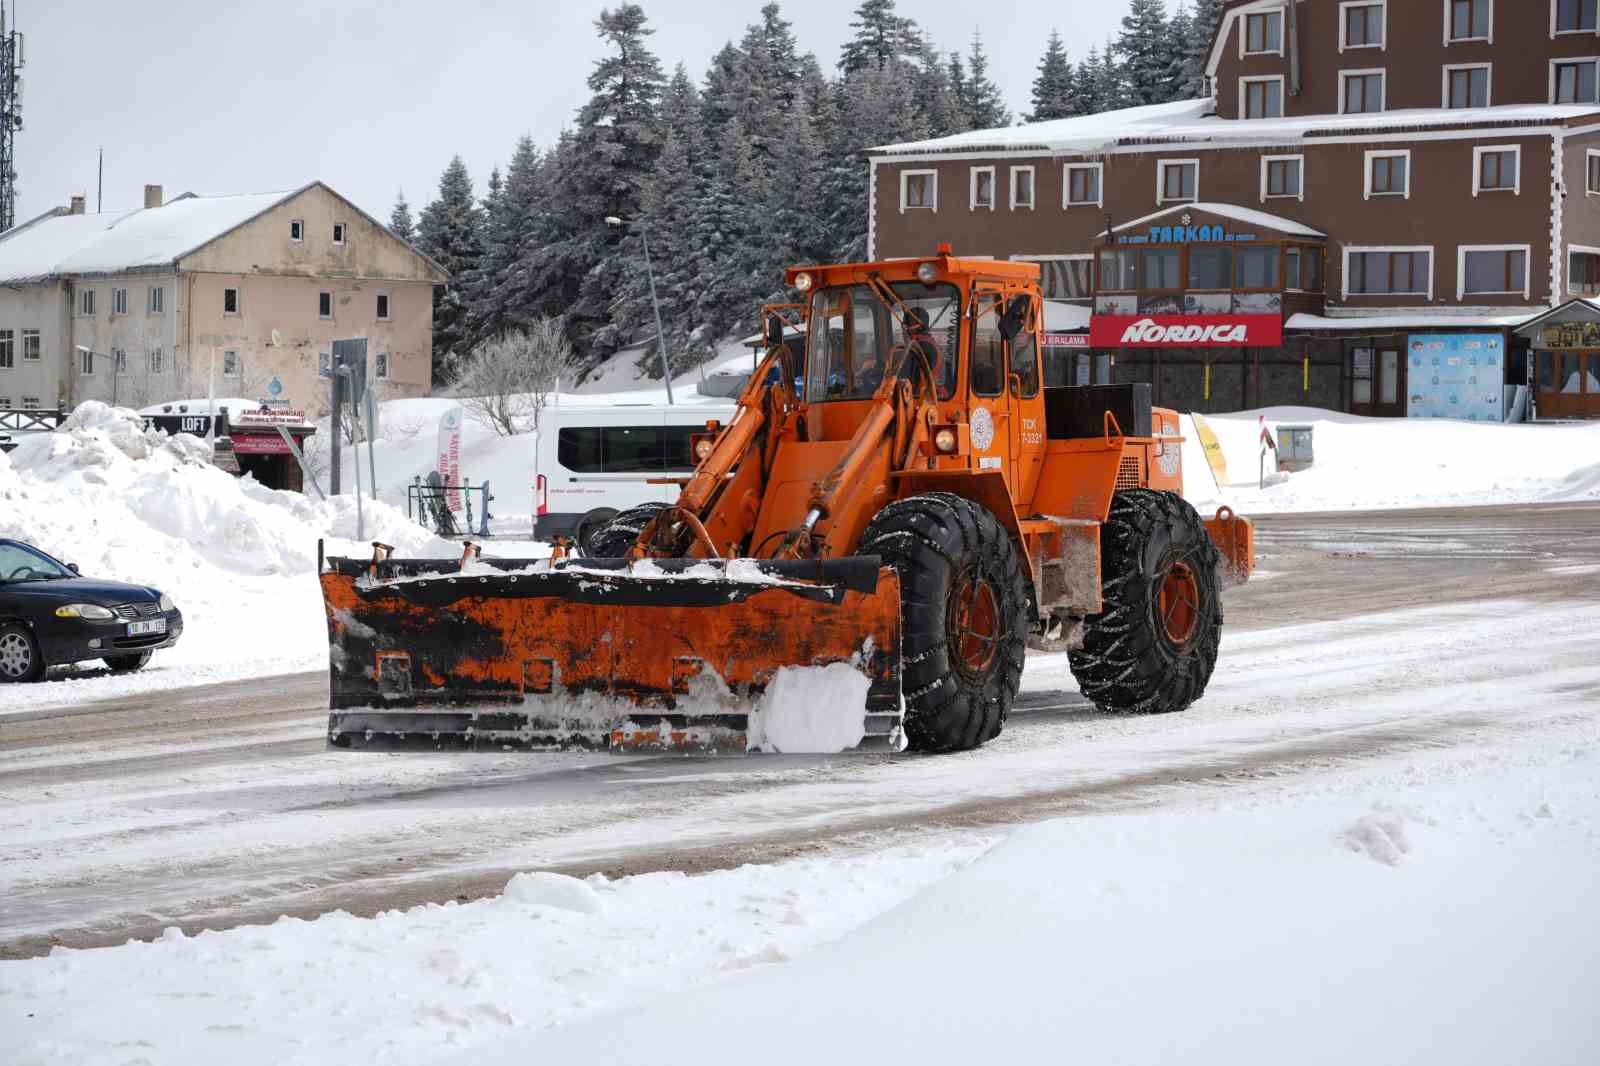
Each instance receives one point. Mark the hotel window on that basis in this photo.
(338, 232)
(381, 366)
(230, 363)
(1574, 16)
(1388, 174)
(982, 189)
(1389, 272)
(1082, 185)
(1493, 271)
(919, 190)
(1497, 169)
(1158, 269)
(1592, 172)
(230, 301)
(1360, 91)
(1281, 177)
(1573, 82)
(324, 304)
(1262, 97)
(119, 301)
(30, 346)
(1177, 181)
(1263, 33)
(297, 230)
(8, 349)
(1210, 267)
(1466, 86)
(383, 307)
(1361, 27)
(1583, 273)
(155, 360)
(1255, 267)
(1468, 20)
(157, 301)
(1021, 188)
(1119, 270)
(1302, 268)
(85, 362)
(1063, 277)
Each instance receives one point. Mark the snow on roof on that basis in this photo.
(1248, 216)
(112, 243)
(1187, 121)
(1415, 320)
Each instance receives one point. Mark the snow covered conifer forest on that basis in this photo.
(753, 166)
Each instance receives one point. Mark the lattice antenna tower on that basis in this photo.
(12, 59)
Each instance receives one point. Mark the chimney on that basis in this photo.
(76, 207)
(152, 196)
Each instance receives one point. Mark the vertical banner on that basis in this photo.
(449, 465)
(1213, 449)
(1456, 375)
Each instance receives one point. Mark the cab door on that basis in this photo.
(988, 366)
(1027, 403)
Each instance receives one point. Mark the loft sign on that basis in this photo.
(1186, 331)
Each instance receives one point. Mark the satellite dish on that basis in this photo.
(277, 339)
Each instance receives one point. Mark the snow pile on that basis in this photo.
(137, 505)
(811, 709)
(1379, 463)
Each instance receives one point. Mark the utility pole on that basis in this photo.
(11, 61)
(100, 183)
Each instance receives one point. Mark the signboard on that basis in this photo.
(1456, 375)
(278, 416)
(1213, 449)
(449, 464)
(1567, 335)
(351, 355)
(1066, 340)
(199, 425)
(262, 444)
(1186, 234)
(1186, 331)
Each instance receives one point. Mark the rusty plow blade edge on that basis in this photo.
(666, 655)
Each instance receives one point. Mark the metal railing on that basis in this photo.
(433, 503)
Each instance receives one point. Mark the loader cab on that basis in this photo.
(852, 337)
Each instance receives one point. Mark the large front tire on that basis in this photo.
(614, 539)
(1153, 646)
(964, 617)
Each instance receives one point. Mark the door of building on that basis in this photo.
(1567, 385)
(1377, 382)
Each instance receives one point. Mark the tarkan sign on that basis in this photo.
(1066, 340)
(1456, 375)
(1186, 234)
(1186, 331)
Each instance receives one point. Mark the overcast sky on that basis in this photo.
(224, 96)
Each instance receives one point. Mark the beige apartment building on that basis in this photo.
(234, 296)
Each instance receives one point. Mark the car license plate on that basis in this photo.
(140, 629)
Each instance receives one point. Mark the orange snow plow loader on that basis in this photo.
(860, 560)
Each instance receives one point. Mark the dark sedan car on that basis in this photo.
(50, 615)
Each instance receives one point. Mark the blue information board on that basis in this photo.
(1456, 375)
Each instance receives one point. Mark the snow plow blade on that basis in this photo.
(688, 655)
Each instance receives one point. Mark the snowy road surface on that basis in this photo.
(1364, 637)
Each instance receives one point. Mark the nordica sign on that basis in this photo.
(1186, 331)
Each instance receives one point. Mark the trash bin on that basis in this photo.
(1294, 447)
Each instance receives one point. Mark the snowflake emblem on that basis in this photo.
(1186, 218)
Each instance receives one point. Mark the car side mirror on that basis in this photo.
(774, 331)
(1010, 323)
(74, 568)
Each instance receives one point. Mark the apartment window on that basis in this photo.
(86, 302)
(919, 190)
(119, 301)
(230, 363)
(85, 362)
(297, 230)
(338, 232)
(1388, 174)
(1574, 16)
(1083, 185)
(324, 304)
(1497, 169)
(1255, 267)
(1261, 97)
(5, 403)
(1469, 20)
(1210, 266)
(30, 403)
(1467, 86)
(119, 360)
(1573, 82)
(30, 346)
(1119, 270)
(230, 301)
(1302, 268)
(1360, 91)
(1281, 177)
(1388, 272)
(157, 300)
(1177, 181)
(1583, 272)
(1361, 26)
(1022, 188)
(1592, 172)
(8, 349)
(1263, 33)
(154, 358)
(982, 188)
(1493, 270)
(383, 307)
(381, 366)
(1158, 269)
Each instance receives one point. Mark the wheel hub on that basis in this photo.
(1178, 605)
(16, 658)
(972, 623)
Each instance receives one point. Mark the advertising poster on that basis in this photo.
(1456, 375)
(449, 465)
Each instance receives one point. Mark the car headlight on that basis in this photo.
(91, 611)
(167, 604)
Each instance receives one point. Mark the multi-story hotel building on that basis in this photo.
(1377, 201)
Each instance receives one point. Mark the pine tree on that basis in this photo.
(1052, 89)
(873, 107)
(1087, 79)
(510, 212)
(1197, 47)
(1111, 86)
(881, 37)
(942, 109)
(449, 232)
(400, 223)
(984, 104)
(1143, 48)
(1180, 30)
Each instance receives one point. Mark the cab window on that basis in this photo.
(988, 350)
(854, 337)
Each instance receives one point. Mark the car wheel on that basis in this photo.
(126, 664)
(19, 655)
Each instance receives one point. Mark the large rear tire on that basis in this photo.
(614, 539)
(963, 617)
(590, 525)
(1153, 646)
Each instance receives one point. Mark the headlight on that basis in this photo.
(802, 282)
(945, 440)
(167, 604)
(702, 448)
(926, 273)
(91, 611)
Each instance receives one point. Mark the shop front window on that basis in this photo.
(1119, 270)
(1159, 268)
(1256, 268)
(1210, 267)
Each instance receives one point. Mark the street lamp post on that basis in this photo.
(661, 334)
